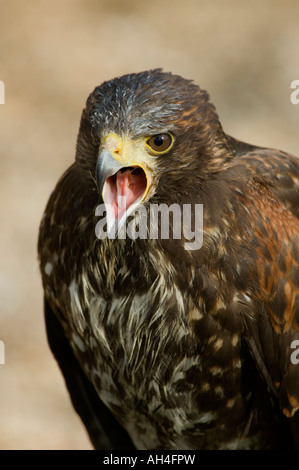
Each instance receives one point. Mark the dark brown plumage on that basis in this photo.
(164, 347)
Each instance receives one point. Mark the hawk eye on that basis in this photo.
(160, 143)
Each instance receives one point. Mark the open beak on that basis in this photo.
(123, 185)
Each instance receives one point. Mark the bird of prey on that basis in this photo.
(165, 345)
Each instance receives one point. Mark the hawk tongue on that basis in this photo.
(125, 188)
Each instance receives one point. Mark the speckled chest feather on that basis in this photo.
(169, 373)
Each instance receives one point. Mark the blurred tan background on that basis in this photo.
(52, 54)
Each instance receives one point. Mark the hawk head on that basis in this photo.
(150, 135)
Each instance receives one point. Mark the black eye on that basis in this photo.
(160, 143)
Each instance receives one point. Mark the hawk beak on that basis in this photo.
(123, 186)
(106, 166)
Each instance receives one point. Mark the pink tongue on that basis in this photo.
(124, 189)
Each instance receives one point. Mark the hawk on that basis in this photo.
(164, 345)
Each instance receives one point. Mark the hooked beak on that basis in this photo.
(123, 186)
(106, 166)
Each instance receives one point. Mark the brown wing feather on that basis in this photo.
(273, 202)
(277, 170)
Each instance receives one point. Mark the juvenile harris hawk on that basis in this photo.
(164, 347)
